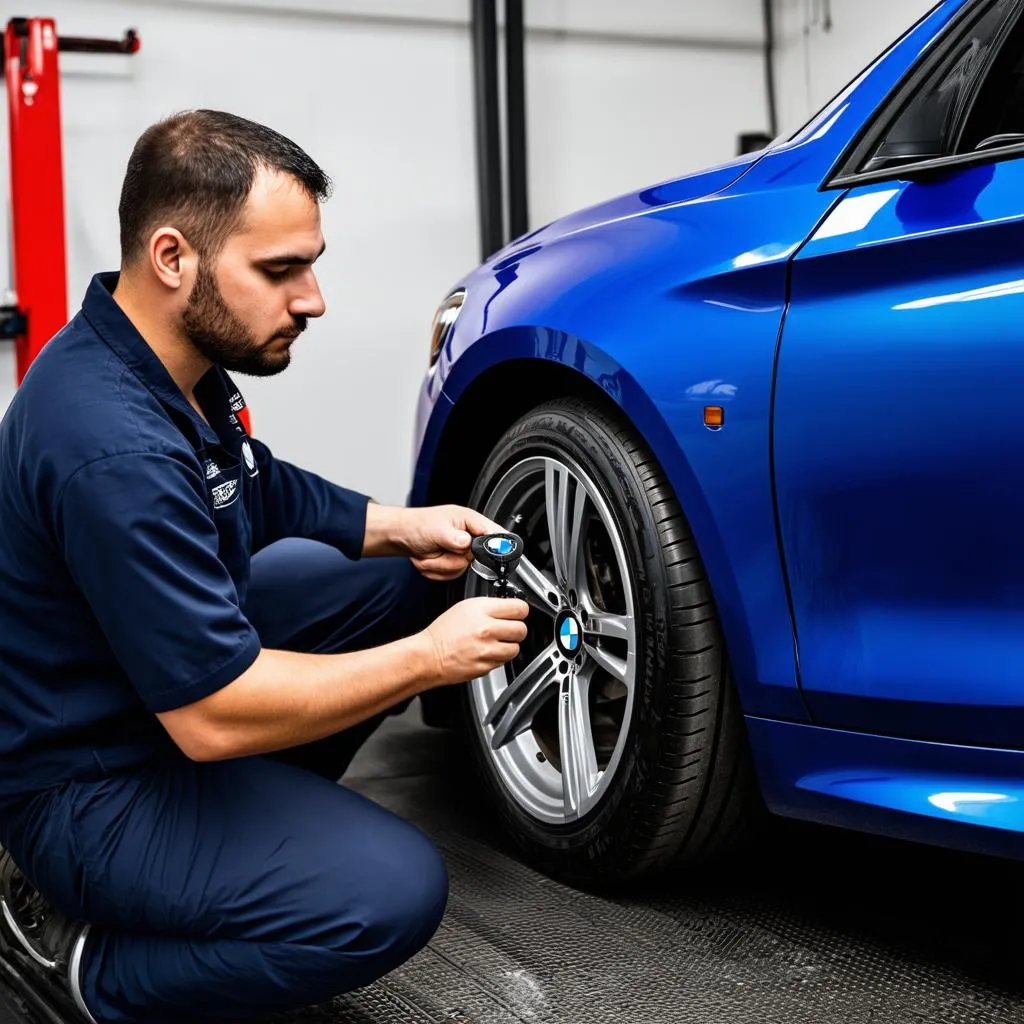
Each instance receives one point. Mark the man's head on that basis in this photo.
(222, 216)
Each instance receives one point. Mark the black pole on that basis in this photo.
(515, 92)
(81, 44)
(78, 44)
(769, 67)
(488, 140)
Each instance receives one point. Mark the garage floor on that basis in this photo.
(822, 926)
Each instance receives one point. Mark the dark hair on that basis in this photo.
(195, 170)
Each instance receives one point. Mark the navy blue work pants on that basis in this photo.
(232, 889)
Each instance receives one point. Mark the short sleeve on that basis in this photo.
(141, 545)
(298, 503)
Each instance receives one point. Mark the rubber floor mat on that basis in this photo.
(818, 925)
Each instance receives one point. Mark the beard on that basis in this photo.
(223, 338)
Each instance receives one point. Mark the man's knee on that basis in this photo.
(400, 903)
(402, 906)
(411, 600)
(399, 583)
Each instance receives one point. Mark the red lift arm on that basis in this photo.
(39, 268)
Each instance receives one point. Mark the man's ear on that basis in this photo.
(173, 260)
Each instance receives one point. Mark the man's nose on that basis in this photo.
(308, 300)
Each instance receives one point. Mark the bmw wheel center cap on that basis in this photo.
(568, 634)
(500, 545)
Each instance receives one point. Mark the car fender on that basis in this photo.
(668, 312)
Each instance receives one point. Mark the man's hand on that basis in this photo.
(437, 539)
(475, 636)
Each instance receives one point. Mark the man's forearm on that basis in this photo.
(285, 699)
(384, 529)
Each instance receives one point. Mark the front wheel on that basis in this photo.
(612, 745)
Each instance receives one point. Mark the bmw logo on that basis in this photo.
(568, 634)
(500, 545)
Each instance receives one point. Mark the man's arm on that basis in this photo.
(285, 699)
(385, 525)
(141, 545)
(298, 503)
(295, 502)
(437, 538)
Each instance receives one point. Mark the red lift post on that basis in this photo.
(39, 268)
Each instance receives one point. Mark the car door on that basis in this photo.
(898, 419)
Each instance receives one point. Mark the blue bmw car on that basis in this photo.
(761, 430)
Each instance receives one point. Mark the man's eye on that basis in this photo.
(276, 272)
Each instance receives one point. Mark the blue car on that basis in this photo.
(761, 430)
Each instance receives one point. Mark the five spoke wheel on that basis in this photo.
(554, 720)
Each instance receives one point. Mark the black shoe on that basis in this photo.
(40, 949)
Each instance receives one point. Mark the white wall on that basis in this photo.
(380, 93)
(821, 45)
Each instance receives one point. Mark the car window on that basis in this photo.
(822, 115)
(923, 130)
(997, 115)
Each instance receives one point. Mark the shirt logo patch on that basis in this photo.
(212, 469)
(250, 459)
(237, 402)
(224, 494)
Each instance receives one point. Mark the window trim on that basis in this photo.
(841, 176)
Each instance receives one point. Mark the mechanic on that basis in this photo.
(194, 637)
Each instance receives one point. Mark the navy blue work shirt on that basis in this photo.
(127, 525)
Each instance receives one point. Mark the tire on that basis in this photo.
(666, 778)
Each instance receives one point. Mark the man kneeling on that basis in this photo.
(195, 636)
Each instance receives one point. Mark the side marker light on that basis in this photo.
(714, 417)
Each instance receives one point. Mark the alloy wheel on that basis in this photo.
(554, 720)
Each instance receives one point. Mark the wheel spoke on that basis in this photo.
(616, 627)
(538, 587)
(618, 668)
(565, 499)
(576, 746)
(516, 705)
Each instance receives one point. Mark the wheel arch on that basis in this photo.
(476, 422)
